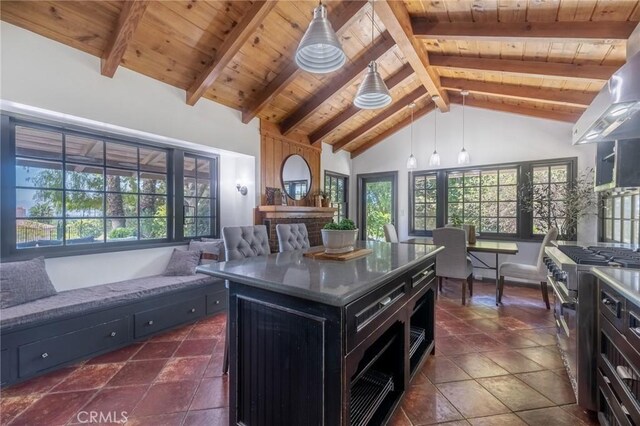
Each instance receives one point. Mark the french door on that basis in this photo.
(377, 203)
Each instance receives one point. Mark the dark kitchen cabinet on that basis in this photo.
(618, 359)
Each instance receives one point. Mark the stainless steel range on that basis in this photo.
(576, 307)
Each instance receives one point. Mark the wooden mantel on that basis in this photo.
(292, 212)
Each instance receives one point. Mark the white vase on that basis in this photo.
(338, 241)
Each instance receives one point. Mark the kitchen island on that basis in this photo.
(317, 342)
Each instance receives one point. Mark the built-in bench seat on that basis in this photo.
(45, 334)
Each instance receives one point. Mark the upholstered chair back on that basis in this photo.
(292, 236)
(245, 241)
(452, 261)
(551, 236)
(390, 234)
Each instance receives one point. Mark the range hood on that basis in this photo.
(614, 114)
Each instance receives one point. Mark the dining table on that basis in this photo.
(481, 246)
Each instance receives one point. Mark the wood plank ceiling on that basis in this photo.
(542, 58)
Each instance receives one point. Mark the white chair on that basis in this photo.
(537, 272)
(452, 262)
(390, 234)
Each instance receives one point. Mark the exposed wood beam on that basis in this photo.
(339, 21)
(399, 126)
(556, 96)
(562, 32)
(230, 47)
(130, 17)
(337, 84)
(566, 116)
(317, 135)
(396, 19)
(380, 118)
(531, 68)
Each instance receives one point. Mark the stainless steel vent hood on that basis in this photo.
(614, 114)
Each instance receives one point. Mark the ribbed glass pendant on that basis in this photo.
(434, 160)
(373, 92)
(319, 50)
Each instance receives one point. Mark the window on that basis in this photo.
(77, 192)
(487, 199)
(336, 185)
(199, 196)
(423, 211)
(493, 198)
(550, 184)
(621, 218)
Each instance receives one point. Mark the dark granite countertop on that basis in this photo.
(331, 282)
(624, 280)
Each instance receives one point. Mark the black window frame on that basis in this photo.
(175, 193)
(335, 175)
(524, 222)
(607, 214)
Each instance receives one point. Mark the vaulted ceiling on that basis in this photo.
(542, 58)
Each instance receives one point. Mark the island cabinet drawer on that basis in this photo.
(154, 320)
(632, 329)
(423, 276)
(216, 302)
(48, 353)
(367, 313)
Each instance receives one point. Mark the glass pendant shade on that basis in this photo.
(434, 160)
(372, 93)
(463, 157)
(412, 162)
(319, 50)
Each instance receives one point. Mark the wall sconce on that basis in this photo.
(242, 189)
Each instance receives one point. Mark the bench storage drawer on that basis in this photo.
(158, 319)
(47, 353)
(217, 302)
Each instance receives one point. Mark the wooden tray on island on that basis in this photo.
(319, 254)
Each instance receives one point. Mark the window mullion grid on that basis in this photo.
(64, 188)
(104, 189)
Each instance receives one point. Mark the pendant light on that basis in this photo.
(319, 50)
(434, 160)
(412, 162)
(463, 155)
(373, 92)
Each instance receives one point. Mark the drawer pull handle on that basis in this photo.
(636, 330)
(113, 334)
(217, 302)
(385, 301)
(193, 310)
(607, 302)
(150, 322)
(626, 373)
(44, 355)
(624, 410)
(606, 380)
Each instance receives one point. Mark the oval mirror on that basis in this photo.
(296, 177)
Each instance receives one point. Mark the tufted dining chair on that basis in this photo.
(537, 272)
(241, 242)
(452, 262)
(292, 236)
(390, 234)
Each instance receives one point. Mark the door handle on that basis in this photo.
(385, 301)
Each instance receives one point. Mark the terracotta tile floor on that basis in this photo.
(493, 366)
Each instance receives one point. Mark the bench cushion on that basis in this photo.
(104, 296)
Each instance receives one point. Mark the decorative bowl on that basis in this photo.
(338, 241)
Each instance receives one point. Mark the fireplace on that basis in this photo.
(313, 217)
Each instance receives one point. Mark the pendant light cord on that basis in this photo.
(373, 17)
(435, 130)
(411, 106)
(463, 102)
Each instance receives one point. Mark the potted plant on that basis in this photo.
(339, 237)
(578, 200)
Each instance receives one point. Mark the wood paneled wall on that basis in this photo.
(274, 149)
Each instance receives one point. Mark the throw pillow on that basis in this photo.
(22, 282)
(212, 250)
(182, 262)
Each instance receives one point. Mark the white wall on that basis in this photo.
(340, 162)
(491, 138)
(38, 72)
